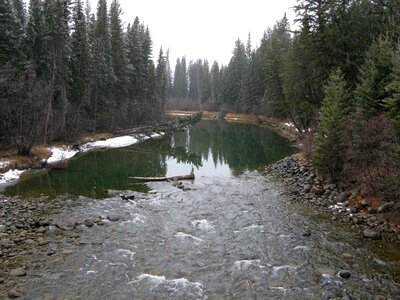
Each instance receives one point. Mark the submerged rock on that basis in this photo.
(18, 272)
(371, 234)
(113, 218)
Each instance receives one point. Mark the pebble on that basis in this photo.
(113, 218)
(18, 272)
(13, 293)
(88, 223)
(345, 274)
(371, 234)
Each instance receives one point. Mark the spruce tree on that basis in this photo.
(9, 45)
(118, 55)
(329, 148)
(275, 59)
(161, 80)
(375, 74)
(79, 64)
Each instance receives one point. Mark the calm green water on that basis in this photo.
(213, 148)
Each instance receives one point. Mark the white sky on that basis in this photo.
(205, 29)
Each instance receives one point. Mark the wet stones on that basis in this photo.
(88, 223)
(66, 224)
(305, 185)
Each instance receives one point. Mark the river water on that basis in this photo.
(231, 233)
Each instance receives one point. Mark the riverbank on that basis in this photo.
(345, 203)
(12, 165)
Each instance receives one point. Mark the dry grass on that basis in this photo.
(59, 164)
(16, 161)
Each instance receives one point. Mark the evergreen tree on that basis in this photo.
(330, 140)
(375, 74)
(9, 41)
(35, 38)
(103, 106)
(79, 64)
(161, 80)
(275, 59)
(118, 56)
(234, 75)
(392, 102)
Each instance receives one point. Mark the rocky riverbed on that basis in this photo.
(34, 231)
(345, 204)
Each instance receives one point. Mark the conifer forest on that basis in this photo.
(67, 70)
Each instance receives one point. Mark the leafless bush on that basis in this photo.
(23, 107)
(307, 142)
(372, 156)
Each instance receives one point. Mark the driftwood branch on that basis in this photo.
(190, 176)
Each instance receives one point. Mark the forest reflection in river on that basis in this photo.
(214, 148)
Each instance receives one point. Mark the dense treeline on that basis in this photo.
(337, 78)
(65, 70)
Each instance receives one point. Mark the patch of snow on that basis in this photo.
(121, 141)
(10, 175)
(58, 154)
(289, 124)
(118, 142)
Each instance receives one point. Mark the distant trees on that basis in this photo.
(294, 75)
(98, 76)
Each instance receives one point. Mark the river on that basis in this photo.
(229, 234)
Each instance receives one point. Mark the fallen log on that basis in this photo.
(190, 176)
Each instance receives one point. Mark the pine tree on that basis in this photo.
(330, 140)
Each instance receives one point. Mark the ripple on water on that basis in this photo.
(203, 224)
(176, 287)
(183, 235)
(127, 253)
(244, 264)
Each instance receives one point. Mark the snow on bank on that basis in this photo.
(58, 154)
(10, 176)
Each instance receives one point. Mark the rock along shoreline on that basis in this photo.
(344, 205)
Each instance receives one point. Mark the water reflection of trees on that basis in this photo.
(241, 146)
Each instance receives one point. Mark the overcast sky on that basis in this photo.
(205, 29)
